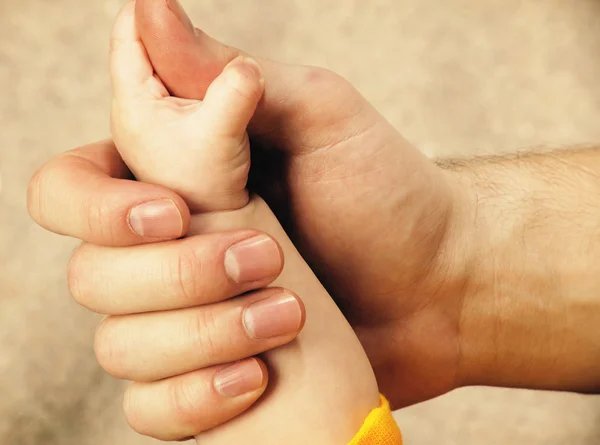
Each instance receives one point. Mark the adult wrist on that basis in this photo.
(459, 257)
(530, 309)
(473, 253)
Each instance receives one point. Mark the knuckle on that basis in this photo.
(35, 195)
(132, 409)
(91, 216)
(109, 348)
(76, 276)
(336, 98)
(338, 106)
(334, 88)
(202, 330)
(185, 276)
(185, 404)
(86, 279)
(325, 79)
(98, 217)
(139, 416)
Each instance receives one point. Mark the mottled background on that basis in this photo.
(455, 77)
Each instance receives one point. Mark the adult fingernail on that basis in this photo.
(273, 317)
(254, 259)
(239, 379)
(180, 13)
(157, 219)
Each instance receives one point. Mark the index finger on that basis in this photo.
(89, 193)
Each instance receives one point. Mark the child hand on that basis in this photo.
(199, 149)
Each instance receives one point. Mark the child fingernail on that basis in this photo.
(274, 317)
(254, 259)
(239, 378)
(180, 13)
(157, 219)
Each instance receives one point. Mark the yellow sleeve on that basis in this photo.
(379, 428)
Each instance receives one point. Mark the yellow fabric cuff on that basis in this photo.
(379, 428)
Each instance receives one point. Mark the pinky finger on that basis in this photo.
(187, 405)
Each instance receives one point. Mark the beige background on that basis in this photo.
(455, 76)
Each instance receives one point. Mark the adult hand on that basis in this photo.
(87, 193)
(373, 216)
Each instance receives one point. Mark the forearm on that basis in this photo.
(322, 387)
(531, 310)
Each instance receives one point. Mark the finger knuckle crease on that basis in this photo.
(99, 220)
(202, 331)
(75, 277)
(108, 348)
(131, 408)
(187, 274)
(184, 403)
(35, 193)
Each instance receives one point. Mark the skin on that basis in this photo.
(525, 310)
(332, 147)
(155, 132)
(333, 144)
(532, 307)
